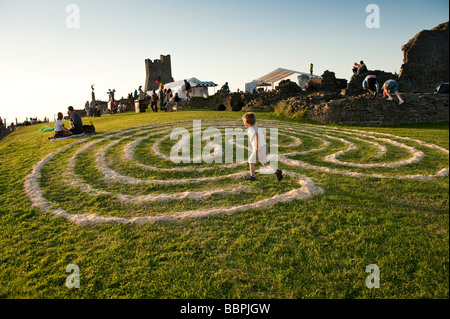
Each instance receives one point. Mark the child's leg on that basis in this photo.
(252, 168)
(271, 166)
(276, 171)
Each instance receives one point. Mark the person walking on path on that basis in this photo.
(259, 148)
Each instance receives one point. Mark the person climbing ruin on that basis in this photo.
(370, 83)
(392, 86)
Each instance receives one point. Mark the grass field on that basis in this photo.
(393, 216)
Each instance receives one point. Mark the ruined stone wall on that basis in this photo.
(425, 60)
(366, 111)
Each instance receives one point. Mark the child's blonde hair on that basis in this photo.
(250, 118)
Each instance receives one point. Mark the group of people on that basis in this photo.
(3, 126)
(359, 68)
(75, 122)
(167, 100)
(370, 83)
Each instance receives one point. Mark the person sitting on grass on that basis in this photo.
(60, 130)
(391, 85)
(259, 148)
(75, 121)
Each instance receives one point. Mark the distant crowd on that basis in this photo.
(165, 98)
(4, 127)
(28, 121)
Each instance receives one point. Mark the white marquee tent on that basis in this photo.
(199, 88)
(281, 73)
(249, 87)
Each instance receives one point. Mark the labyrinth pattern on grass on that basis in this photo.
(127, 176)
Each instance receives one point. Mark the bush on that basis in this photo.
(282, 108)
(300, 114)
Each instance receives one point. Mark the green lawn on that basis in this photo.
(310, 248)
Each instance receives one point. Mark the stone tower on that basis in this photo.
(158, 70)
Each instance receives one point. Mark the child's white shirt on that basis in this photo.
(252, 130)
(261, 155)
(59, 126)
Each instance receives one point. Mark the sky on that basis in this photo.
(50, 54)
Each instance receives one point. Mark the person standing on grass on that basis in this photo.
(391, 85)
(154, 101)
(162, 99)
(259, 148)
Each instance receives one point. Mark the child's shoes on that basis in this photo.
(279, 174)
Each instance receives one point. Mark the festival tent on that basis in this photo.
(199, 88)
(280, 74)
(249, 87)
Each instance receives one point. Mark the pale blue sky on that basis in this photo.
(45, 66)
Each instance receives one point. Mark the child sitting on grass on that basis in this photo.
(60, 130)
(259, 148)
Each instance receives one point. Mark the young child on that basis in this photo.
(259, 148)
(60, 130)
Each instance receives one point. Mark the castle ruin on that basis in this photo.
(158, 71)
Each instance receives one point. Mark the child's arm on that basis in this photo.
(256, 136)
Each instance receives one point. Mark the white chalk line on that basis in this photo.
(307, 190)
